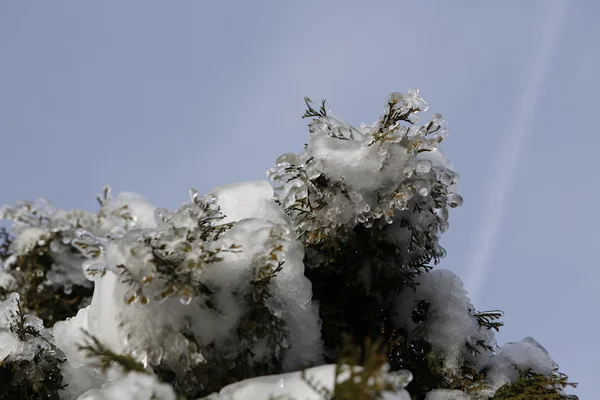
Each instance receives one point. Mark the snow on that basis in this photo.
(446, 394)
(292, 386)
(513, 358)
(450, 322)
(28, 239)
(150, 332)
(7, 281)
(253, 199)
(133, 386)
(69, 334)
(170, 291)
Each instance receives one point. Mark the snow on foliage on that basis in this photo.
(301, 386)
(133, 386)
(248, 292)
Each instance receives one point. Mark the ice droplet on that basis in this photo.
(389, 218)
(424, 191)
(155, 355)
(54, 246)
(185, 299)
(395, 97)
(447, 177)
(68, 289)
(402, 204)
(454, 200)
(33, 322)
(194, 196)
(423, 167)
(130, 296)
(116, 233)
(288, 158)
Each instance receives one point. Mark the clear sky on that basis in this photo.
(157, 97)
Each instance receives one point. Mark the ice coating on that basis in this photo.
(179, 289)
(255, 200)
(15, 346)
(210, 260)
(372, 175)
(39, 224)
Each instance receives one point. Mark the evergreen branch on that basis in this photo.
(489, 319)
(19, 328)
(311, 112)
(535, 386)
(107, 357)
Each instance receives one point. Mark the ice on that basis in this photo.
(39, 225)
(10, 345)
(133, 386)
(27, 345)
(389, 168)
(446, 394)
(145, 323)
(174, 289)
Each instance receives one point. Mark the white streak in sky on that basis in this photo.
(503, 170)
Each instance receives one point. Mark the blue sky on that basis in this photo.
(156, 98)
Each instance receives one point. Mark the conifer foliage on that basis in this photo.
(325, 284)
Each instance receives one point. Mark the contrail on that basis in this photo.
(503, 170)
